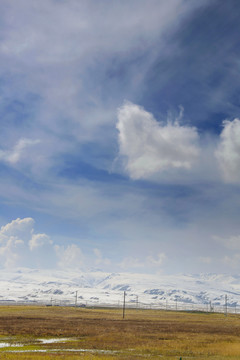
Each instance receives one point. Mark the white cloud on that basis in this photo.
(17, 239)
(228, 152)
(38, 240)
(9, 251)
(14, 155)
(57, 54)
(76, 29)
(149, 147)
(12, 240)
(20, 245)
(70, 256)
(19, 228)
(158, 260)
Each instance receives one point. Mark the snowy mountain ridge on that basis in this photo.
(101, 288)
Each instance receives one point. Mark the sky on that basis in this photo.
(120, 135)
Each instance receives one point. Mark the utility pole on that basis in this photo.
(137, 301)
(176, 304)
(124, 303)
(226, 309)
(76, 299)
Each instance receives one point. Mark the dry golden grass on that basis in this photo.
(142, 333)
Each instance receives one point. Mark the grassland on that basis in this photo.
(103, 334)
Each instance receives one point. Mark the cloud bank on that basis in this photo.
(22, 246)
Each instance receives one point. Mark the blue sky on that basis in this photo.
(120, 135)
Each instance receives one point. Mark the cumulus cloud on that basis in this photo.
(149, 147)
(20, 245)
(19, 229)
(12, 240)
(9, 251)
(38, 240)
(18, 239)
(228, 152)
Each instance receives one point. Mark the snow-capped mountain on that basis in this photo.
(203, 291)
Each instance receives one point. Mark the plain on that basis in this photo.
(95, 333)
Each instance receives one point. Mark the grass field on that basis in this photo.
(103, 334)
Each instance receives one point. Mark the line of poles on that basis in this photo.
(210, 308)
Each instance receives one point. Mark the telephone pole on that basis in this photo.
(124, 303)
(76, 299)
(226, 309)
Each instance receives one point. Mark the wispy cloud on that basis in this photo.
(69, 256)
(55, 64)
(19, 151)
(65, 69)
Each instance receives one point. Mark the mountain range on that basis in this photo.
(205, 292)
